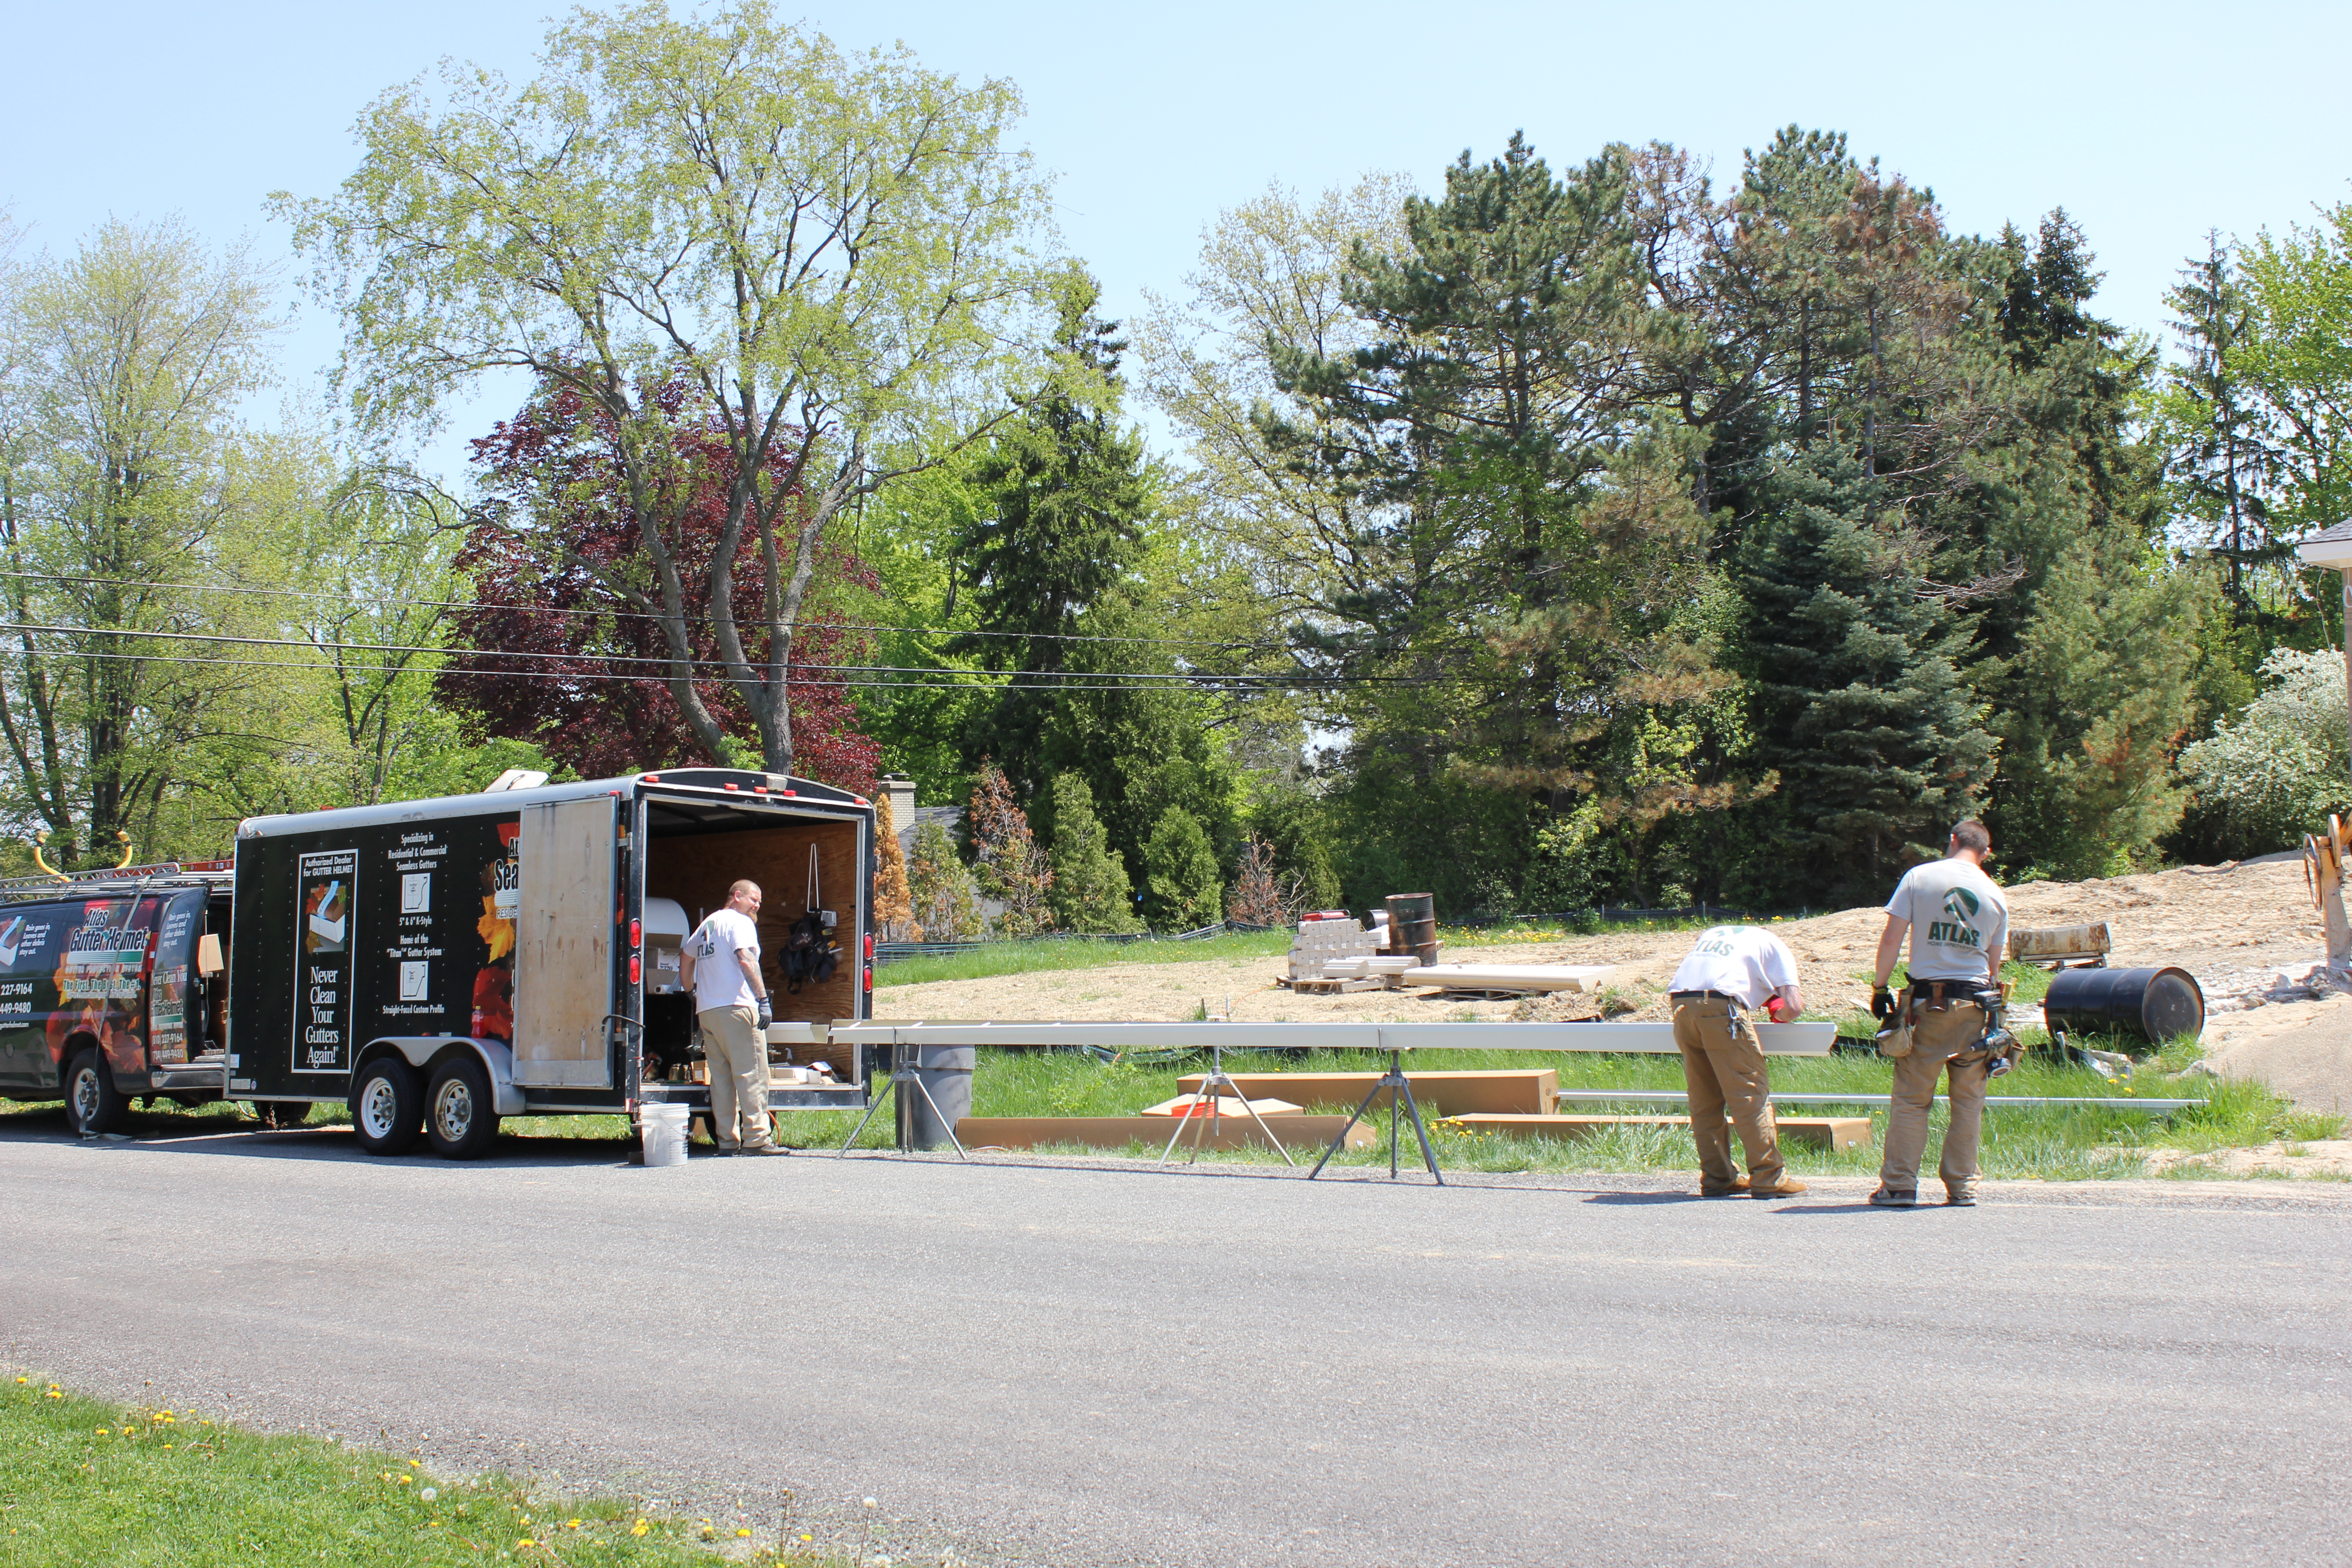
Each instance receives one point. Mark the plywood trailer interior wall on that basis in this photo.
(697, 868)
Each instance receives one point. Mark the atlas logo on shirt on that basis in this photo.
(1960, 906)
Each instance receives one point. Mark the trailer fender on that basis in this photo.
(423, 1050)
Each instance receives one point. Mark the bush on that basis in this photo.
(1091, 892)
(2286, 763)
(1181, 889)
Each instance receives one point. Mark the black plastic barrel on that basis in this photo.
(2155, 1004)
(946, 1071)
(1412, 925)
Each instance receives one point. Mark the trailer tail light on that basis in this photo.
(869, 977)
(637, 933)
(869, 947)
(635, 968)
(653, 778)
(730, 786)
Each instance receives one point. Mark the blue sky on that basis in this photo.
(2151, 124)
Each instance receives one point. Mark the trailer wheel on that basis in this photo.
(93, 1105)
(460, 1117)
(388, 1107)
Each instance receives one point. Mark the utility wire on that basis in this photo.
(1080, 679)
(616, 614)
(980, 681)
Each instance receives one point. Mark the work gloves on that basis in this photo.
(767, 1014)
(1882, 1004)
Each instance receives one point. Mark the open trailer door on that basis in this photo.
(564, 934)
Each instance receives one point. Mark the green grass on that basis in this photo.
(1030, 957)
(2058, 1143)
(85, 1481)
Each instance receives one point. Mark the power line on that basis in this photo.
(980, 683)
(1075, 679)
(617, 614)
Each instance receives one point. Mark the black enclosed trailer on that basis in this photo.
(111, 988)
(442, 963)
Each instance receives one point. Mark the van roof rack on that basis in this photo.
(213, 875)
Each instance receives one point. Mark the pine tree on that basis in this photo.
(2222, 463)
(1054, 552)
(1012, 868)
(1091, 892)
(941, 886)
(894, 907)
(1856, 701)
(1181, 889)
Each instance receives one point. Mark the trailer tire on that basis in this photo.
(388, 1107)
(461, 1116)
(93, 1105)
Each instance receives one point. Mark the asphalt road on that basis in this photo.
(1080, 1365)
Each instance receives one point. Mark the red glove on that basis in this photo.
(1777, 1009)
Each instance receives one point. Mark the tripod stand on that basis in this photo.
(902, 1071)
(1398, 1087)
(1219, 1078)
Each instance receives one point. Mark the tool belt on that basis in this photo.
(1938, 996)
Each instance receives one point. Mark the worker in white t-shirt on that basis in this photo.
(720, 965)
(1733, 972)
(1958, 921)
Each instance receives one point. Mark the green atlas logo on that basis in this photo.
(1959, 905)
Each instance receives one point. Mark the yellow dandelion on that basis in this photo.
(744, 1533)
(638, 1527)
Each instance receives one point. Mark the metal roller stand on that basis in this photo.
(1216, 1079)
(1393, 1079)
(902, 1071)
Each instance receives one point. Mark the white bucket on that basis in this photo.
(663, 1128)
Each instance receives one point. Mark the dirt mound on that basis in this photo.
(2301, 1049)
(2210, 920)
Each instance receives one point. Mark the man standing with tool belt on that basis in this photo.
(1731, 974)
(720, 963)
(1959, 922)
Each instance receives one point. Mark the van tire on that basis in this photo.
(388, 1107)
(93, 1105)
(460, 1117)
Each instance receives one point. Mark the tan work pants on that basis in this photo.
(1941, 1039)
(739, 1076)
(1724, 1071)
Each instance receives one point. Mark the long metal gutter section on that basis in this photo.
(1777, 1039)
(1674, 1095)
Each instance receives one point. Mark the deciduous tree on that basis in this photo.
(822, 253)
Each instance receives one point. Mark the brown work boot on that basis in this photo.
(1785, 1187)
(1738, 1185)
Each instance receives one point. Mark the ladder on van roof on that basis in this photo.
(214, 875)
